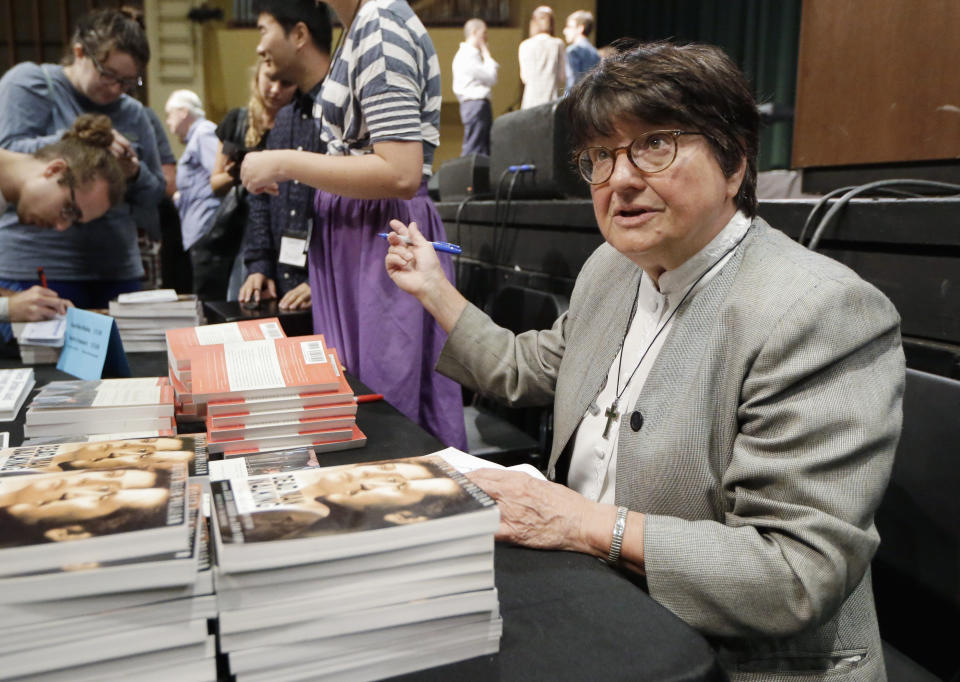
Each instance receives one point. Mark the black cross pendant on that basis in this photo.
(611, 415)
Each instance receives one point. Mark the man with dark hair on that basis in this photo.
(295, 39)
(581, 55)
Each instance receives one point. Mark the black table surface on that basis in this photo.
(565, 616)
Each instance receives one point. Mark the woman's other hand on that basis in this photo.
(257, 287)
(125, 154)
(261, 172)
(297, 298)
(536, 513)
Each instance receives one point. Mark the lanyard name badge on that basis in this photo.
(294, 245)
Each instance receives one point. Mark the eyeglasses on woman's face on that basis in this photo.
(70, 212)
(112, 78)
(652, 152)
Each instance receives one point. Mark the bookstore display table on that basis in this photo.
(566, 616)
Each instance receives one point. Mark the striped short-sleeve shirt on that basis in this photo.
(384, 84)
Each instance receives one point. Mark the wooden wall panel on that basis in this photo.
(878, 82)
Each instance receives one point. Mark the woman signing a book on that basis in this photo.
(726, 402)
(381, 130)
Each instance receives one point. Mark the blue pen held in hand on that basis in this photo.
(445, 247)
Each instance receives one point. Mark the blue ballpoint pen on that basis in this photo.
(446, 247)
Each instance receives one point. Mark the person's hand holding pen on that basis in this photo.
(35, 304)
(415, 268)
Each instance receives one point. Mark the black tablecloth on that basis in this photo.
(565, 616)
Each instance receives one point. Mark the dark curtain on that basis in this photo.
(762, 36)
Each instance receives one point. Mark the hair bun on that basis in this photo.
(92, 129)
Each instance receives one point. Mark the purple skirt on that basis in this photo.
(382, 334)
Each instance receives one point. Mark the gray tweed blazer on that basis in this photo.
(771, 417)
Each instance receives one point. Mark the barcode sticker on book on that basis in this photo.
(271, 330)
(313, 352)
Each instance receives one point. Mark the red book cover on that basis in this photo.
(181, 341)
(237, 405)
(286, 366)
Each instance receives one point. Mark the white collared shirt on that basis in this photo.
(593, 465)
(473, 74)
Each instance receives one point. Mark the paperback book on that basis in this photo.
(282, 366)
(136, 453)
(62, 401)
(15, 385)
(332, 512)
(52, 520)
(180, 342)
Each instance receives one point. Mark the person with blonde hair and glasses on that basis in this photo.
(726, 402)
(106, 58)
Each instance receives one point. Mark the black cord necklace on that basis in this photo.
(612, 413)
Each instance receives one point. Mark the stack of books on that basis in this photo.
(40, 343)
(276, 394)
(360, 571)
(102, 576)
(182, 342)
(116, 407)
(143, 317)
(103, 455)
(15, 385)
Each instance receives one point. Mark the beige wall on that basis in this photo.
(228, 53)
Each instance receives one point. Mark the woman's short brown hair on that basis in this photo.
(103, 31)
(695, 86)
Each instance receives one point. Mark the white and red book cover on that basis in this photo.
(237, 406)
(304, 437)
(284, 366)
(291, 423)
(181, 341)
(356, 439)
(252, 419)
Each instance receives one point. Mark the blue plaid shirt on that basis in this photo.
(270, 216)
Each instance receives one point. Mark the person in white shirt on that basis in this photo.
(474, 73)
(542, 59)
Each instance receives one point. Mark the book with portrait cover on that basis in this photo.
(51, 520)
(153, 572)
(328, 513)
(75, 430)
(107, 399)
(181, 341)
(276, 462)
(104, 455)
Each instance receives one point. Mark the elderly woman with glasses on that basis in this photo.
(726, 403)
(89, 265)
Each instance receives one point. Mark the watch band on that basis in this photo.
(617, 542)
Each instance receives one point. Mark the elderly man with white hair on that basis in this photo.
(195, 200)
